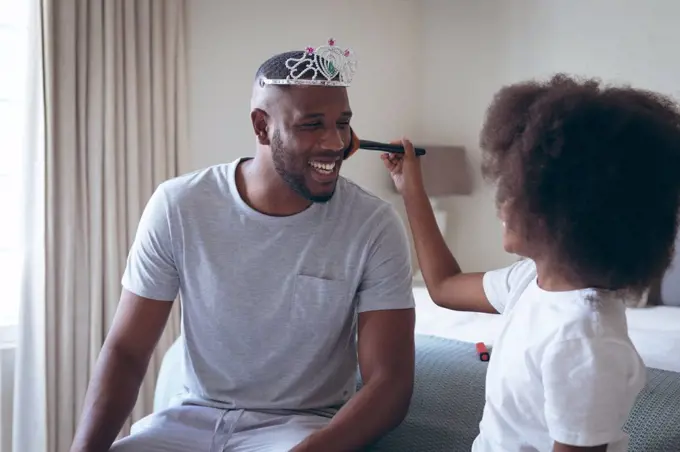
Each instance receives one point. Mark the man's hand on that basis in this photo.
(386, 361)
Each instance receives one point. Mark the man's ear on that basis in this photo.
(260, 121)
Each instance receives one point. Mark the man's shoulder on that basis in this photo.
(369, 219)
(196, 183)
(362, 202)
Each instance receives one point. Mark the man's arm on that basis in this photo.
(120, 369)
(151, 283)
(386, 360)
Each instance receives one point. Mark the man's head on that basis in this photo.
(587, 177)
(304, 128)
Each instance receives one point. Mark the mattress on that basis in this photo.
(448, 401)
(655, 330)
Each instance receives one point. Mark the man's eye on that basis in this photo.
(312, 125)
(343, 124)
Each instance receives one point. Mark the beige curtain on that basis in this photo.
(115, 102)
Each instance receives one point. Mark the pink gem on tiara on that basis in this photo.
(346, 52)
(331, 42)
(309, 50)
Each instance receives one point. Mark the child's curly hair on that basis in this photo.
(591, 176)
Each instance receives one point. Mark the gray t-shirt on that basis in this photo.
(269, 304)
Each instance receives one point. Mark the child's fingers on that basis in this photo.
(392, 157)
(396, 158)
(409, 152)
(388, 162)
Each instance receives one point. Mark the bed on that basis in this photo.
(653, 327)
(655, 330)
(449, 383)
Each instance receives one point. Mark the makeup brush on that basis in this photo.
(369, 145)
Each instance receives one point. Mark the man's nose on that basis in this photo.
(333, 140)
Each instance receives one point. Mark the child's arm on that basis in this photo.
(448, 286)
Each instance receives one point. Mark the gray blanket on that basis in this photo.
(449, 397)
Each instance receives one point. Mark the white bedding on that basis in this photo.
(655, 331)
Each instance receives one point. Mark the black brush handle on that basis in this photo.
(385, 147)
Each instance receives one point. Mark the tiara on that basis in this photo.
(324, 64)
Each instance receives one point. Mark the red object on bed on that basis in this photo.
(482, 351)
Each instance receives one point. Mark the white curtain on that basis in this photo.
(108, 125)
(29, 426)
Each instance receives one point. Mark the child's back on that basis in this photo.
(563, 367)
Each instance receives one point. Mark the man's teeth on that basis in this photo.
(323, 167)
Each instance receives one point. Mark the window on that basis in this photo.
(13, 113)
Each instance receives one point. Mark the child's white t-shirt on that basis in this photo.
(562, 369)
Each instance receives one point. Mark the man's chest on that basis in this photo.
(280, 281)
(230, 246)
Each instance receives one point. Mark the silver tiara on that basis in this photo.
(319, 66)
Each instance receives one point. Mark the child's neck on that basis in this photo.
(552, 278)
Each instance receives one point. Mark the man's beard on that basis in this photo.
(295, 178)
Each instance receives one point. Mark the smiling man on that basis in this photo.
(290, 277)
(302, 130)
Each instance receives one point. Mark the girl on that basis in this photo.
(588, 192)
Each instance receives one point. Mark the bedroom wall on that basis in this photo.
(461, 52)
(472, 48)
(229, 40)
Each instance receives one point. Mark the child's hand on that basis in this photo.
(404, 168)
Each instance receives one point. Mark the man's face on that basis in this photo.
(310, 132)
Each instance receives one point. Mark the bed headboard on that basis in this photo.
(667, 290)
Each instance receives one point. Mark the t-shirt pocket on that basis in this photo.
(320, 307)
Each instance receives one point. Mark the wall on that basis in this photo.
(472, 48)
(428, 69)
(462, 52)
(229, 40)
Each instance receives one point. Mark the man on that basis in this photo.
(289, 276)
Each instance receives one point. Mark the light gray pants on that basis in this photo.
(205, 429)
